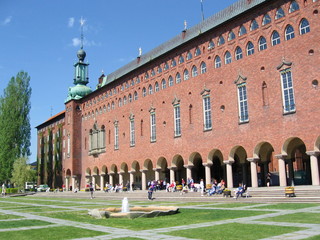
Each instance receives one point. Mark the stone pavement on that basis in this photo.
(111, 232)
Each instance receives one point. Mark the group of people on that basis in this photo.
(216, 188)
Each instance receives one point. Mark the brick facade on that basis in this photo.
(269, 139)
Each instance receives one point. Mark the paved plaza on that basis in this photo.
(70, 202)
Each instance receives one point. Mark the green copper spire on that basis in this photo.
(81, 76)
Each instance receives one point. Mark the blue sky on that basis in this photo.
(42, 37)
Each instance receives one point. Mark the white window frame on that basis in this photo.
(288, 99)
(153, 132)
(132, 133)
(177, 121)
(243, 103)
(207, 118)
(116, 136)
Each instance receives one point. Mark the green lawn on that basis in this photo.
(22, 223)
(296, 218)
(234, 231)
(52, 233)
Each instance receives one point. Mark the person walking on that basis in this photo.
(91, 190)
(3, 192)
(150, 191)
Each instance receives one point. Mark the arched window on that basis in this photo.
(181, 59)
(242, 30)
(130, 97)
(262, 43)
(178, 78)
(137, 80)
(152, 72)
(203, 68)
(159, 69)
(150, 89)
(185, 74)
(211, 45)
(250, 48)
(238, 53)
(146, 76)
(144, 92)
(231, 36)
(108, 107)
(194, 71)
(197, 52)
(266, 19)
(304, 26)
(170, 81)
(173, 63)
(124, 100)
(156, 87)
(275, 38)
(279, 14)
(227, 58)
(217, 62)
(294, 6)
(221, 41)
(163, 84)
(166, 66)
(112, 105)
(189, 55)
(120, 102)
(254, 25)
(289, 32)
(135, 96)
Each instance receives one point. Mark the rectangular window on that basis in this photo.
(132, 133)
(177, 121)
(153, 135)
(287, 91)
(116, 137)
(243, 103)
(207, 113)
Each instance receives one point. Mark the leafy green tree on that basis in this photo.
(22, 173)
(15, 128)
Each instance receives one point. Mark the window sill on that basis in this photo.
(243, 122)
(288, 113)
(207, 130)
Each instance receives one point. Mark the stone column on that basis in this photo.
(254, 173)
(94, 181)
(208, 172)
(67, 183)
(143, 179)
(172, 177)
(156, 173)
(229, 172)
(314, 167)
(131, 179)
(73, 182)
(282, 169)
(102, 182)
(189, 172)
(120, 178)
(111, 179)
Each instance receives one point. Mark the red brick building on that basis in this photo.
(232, 98)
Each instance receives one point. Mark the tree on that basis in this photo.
(22, 173)
(15, 128)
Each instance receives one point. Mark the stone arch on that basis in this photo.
(104, 173)
(137, 176)
(95, 171)
(178, 166)
(217, 169)
(125, 173)
(68, 173)
(148, 167)
(240, 167)
(114, 174)
(263, 151)
(88, 172)
(198, 170)
(297, 162)
(164, 171)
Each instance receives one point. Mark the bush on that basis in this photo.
(11, 190)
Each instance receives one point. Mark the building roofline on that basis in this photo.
(211, 22)
(60, 114)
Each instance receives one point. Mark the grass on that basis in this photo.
(288, 206)
(52, 233)
(182, 218)
(234, 231)
(296, 218)
(8, 216)
(22, 223)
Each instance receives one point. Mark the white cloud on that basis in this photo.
(6, 21)
(71, 22)
(76, 42)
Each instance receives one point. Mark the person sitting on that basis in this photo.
(239, 191)
(212, 190)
